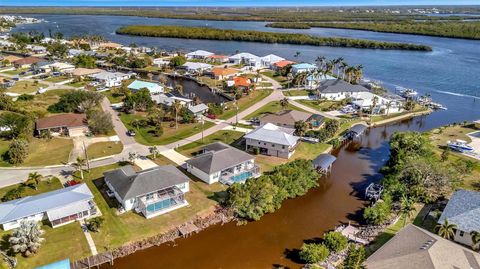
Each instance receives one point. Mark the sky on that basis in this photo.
(248, 3)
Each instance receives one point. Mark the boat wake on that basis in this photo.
(458, 94)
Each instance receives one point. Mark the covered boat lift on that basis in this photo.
(355, 131)
(323, 163)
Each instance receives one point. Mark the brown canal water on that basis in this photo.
(276, 238)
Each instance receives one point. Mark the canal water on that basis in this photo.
(449, 73)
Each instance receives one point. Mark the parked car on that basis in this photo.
(56, 74)
(211, 116)
(131, 132)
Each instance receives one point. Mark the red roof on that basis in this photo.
(283, 63)
(242, 81)
(28, 60)
(62, 120)
(215, 56)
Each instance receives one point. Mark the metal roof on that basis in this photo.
(357, 128)
(272, 133)
(198, 108)
(219, 156)
(130, 184)
(463, 209)
(324, 161)
(49, 201)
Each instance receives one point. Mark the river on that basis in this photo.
(449, 73)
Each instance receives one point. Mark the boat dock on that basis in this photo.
(350, 232)
(93, 261)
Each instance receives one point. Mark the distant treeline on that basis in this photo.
(467, 30)
(263, 37)
(238, 14)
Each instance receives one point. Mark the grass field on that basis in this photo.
(245, 102)
(227, 137)
(272, 74)
(41, 102)
(45, 185)
(145, 136)
(272, 107)
(112, 97)
(321, 105)
(102, 149)
(297, 93)
(57, 79)
(22, 87)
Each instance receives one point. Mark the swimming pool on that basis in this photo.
(241, 177)
(475, 134)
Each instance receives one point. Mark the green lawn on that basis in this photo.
(41, 102)
(296, 93)
(78, 84)
(225, 136)
(113, 97)
(245, 102)
(272, 107)
(42, 151)
(102, 149)
(304, 150)
(22, 87)
(15, 71)
(272, 74)
(145, 136)
(57, 79)
(45, 185)
(321, 105)
(121, 229)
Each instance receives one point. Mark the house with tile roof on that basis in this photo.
(272, 140)
(222, 73)
(219, 162)
(463, 210)
(151, 192)
(59, 207)
(414, 247)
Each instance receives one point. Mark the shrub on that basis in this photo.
(99, 122)
(355, 258)
(25, 97)
(18, 151)
(335, 241)
(79, 101)
(13, 194)
(378, 213)
(313, 253)
(94, 224)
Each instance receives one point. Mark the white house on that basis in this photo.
(37, 49)
(269, 60)
(198, 54)
(246, 59)
(160, 62)
(302, 68)
(59, 207)
(314, 80)
(152, 192)
(198, 110)
(220, 162)
(272, 140)
(193, 67)
(337, 89)
(57, 66)
(110, 79)
(383, 104)
(463, 210)
(153, 88)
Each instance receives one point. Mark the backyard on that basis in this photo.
(102, 149)
(270, 108)
(146, 136)
(322, 105)
(225, 136)
(245, 102)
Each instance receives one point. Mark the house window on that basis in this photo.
(273, 145)
(283, 147)
(461, 233)
(264, 143)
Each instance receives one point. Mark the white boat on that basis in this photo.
(407, 93)
(437, 106)
(459, 145)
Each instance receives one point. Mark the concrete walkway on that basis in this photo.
(89, 238)
(174, 156)
(237, 129)
(145, 163)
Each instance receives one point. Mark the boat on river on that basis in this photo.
(459, 145)
(373, 192)
(407, 93)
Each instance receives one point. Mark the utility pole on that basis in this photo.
(236, 114)
(203, 122)
(86, 156)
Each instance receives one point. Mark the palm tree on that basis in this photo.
(289, 78)
(132, 156)
(343, 66)
(320, 60)
(388, 105)
(26, 239)
(284, 103)
(33, 179)
(446, 230)
(179, 89)
(475, 239)
(407, 208)
(78, 165)
(176, 106)
(154, 151)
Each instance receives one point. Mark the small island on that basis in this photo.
(262, 37)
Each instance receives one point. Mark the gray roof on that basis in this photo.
(358, 128)
(414, 247)
(288, 117)
(49, 201)
(273, 134)
(324, 161)
(219, 156)
(130, 184)
(463, 209)
(198, 108)
(338, 86)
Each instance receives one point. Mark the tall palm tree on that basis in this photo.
(475, 239)
(284, 103)
(33, 179)
(154, 151)
(446, 230)
(343, 66)
(319, 61)
(79, 164)
(176, 106)
(289, 78)
(407, 208)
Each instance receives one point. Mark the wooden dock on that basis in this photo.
(350, 232)
(93, 261)
(187, 229)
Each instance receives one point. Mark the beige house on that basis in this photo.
(272, 140)
(65, 124)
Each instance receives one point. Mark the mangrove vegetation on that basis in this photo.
(262, 37)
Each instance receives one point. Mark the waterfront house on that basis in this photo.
(288, 118)
(222, 73)
(153, 88)
(59, 207)
(463, 210)
(220, 162)
(337, 90)
(193, 67)
(168, 99)
(110, 79)
(26, 62)
(240, 82)
(109, 46)
(219, 59)
(160, 62)
(383, 103)
(269, 60)
(198, 54)
(47, 67)
(72, 125)
(245, 58)
(313, 80)
(198, 110)
(414, 247)
(282, 64)
(151, 192)
(272, 140)
(303, 68)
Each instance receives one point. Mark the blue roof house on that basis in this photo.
(302, 68)
(153, 88)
